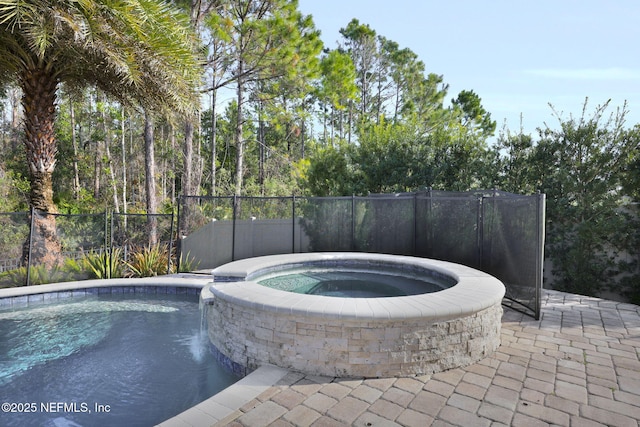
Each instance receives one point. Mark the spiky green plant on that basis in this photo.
(105, 265)
(188, 263)
(38, 275)
(148, 261)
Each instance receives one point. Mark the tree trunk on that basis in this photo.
(150, 181)
(350, 123)
(214, 147)
(74, 141)
(124, 162)
(239, 133)
(161, 168)
(333, 126)
(16, 116)
(187, 176)
(43, 247)
(97, 157)
(38, 101)
(324, 124)
(302, 136)
(14, 100)
(397, 106)
(199, 171)
(106, 130)
(172, 165)
(261, 149)
(97, 170)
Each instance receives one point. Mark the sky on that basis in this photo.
(519, 56)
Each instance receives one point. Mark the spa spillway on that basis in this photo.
(436, 316)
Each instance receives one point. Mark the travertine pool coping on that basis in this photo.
(473, 292)
(160, 284)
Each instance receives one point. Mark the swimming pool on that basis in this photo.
(132, 359)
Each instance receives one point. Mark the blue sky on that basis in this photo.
(518, 56)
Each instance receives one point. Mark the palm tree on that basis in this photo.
(138, 51)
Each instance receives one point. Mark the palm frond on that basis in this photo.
(137, 50)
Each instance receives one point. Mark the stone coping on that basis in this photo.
(473, 292)
(24, 294)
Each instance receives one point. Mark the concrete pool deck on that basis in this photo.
(579, 365)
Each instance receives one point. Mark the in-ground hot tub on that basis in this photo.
(345, 330)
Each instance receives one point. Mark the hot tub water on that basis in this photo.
(352, 283)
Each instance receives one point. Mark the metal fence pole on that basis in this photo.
(479, 234)
(415, 223)
(28, 275)
(111, 232)
(541, 202)
(170, 245)
(107, 249)
(293, 224)
(353, 222)
(429, 231)
(233, 228)
(179, 237)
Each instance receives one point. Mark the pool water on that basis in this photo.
(104, 360)
(354, 284)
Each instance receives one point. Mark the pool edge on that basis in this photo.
(225, 403)
(33, 293)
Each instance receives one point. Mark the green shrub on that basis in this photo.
(105, 265)
(38, 275)
(188, 263)
(148, 261)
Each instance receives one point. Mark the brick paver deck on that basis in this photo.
(579, 365)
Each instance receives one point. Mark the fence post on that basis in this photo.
(170, 245)
(107, 249)
(111, 232)
(429, 231)
(178, 237)
(233, 228)
(28, 275)
(541, 202)
(415, 223)
(293, 224)
(353, 222)
(479, 233)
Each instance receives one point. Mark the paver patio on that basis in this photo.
(579, 365)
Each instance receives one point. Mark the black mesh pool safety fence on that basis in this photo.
(496, 232)
(38, 247)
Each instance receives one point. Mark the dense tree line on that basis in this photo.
(271, 97)
(274, 112)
